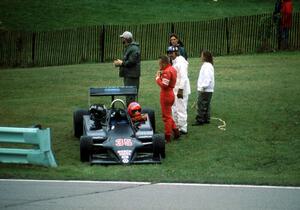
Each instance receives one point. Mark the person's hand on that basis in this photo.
(180, 93)
(115, 63)
(118, 62)
(158, 73)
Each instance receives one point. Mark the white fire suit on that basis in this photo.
(179, 108)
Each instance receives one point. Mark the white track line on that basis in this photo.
(149, 183)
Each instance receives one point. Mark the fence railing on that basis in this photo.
(225, 36)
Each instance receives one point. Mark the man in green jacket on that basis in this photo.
(130, 65)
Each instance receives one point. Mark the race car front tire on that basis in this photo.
(86, 147)
(78, 122)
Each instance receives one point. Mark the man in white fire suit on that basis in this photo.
(182, 89)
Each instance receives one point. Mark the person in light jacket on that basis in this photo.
(205, 88)
(182, 89)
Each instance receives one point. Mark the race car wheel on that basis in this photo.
(151, 115)
(86, 146)
(158, 146)
(78, 122)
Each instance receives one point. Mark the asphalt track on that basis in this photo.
(38, 194)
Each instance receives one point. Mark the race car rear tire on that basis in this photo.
(78, 121)
(86, 147)
(159, 146)
(151, 115)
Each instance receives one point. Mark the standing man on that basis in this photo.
(166, 79)
(286, 22)
(182, 89)
(277, 21)
(130, 65)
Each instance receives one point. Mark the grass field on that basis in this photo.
(37, 15)
(257, 95)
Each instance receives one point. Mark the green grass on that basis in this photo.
(257, 95)
(32, 15)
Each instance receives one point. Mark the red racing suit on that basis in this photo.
(167, 81)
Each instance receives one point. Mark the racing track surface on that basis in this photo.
(64, 195)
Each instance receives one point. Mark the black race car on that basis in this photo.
(108, 135)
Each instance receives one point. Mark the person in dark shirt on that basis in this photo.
(176, 42)
(130, 65)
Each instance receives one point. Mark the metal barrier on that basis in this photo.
(35, 146)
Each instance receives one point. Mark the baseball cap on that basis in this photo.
(172, 49)
(126, 35)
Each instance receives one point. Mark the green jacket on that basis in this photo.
(131, 66)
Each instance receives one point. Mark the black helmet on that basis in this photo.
(98, 111)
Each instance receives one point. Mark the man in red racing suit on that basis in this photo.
(166, 79)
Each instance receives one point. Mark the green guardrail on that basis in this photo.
(26, 146)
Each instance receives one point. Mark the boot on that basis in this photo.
(176, 133)
(168, 138)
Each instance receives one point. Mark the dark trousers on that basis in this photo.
(284, 38)
(130, 81)
(203, 102)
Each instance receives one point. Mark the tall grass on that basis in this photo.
(257, 95)
(38, 15)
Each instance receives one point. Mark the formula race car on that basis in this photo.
(109, 135)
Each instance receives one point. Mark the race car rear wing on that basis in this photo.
(113, 91)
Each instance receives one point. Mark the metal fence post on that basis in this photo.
(227, 36)
(102, 42)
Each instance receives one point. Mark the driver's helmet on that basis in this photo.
(98, 111)
(134, 109)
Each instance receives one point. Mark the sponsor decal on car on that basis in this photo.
(123, 142)
(125, 155)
